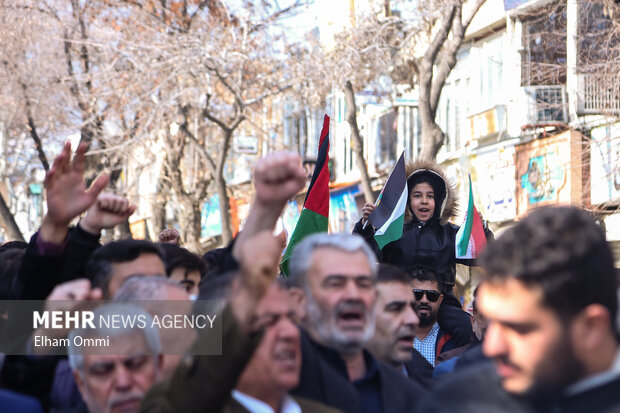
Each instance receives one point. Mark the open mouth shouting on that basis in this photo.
(351, 316)
(286, 357)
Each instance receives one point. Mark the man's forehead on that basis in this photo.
(276, 301)
(125, 344)
(331, 262)
(103, 360)
(394, 291)
(509, 299)
(147, 263)
(427, 283)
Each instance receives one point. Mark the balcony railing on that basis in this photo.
(599, 94)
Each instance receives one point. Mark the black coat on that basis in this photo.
(324, 378)
(429, 245)
(420, 370)
(478, 389)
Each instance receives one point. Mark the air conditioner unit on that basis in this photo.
(546, 104)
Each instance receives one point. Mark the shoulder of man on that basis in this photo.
(473, 390)
(398, 393)
(312, 406)
(419, 369)
(322, 382)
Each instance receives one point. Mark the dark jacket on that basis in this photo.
(233, 406)
(40, 272)
(320, 381)
(424, 245)
(419, 369)
(429, 245)
(203, 383)
(16, 402)
(397, 394)
(478, 389)
(475, 390)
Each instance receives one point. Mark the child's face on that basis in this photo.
(422, 201)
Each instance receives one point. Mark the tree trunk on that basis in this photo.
(8, 222)
(190, 224)
(158, 218)
(158, 204)
(123, 230)
(432, 138)
(358, 144)
(220, 184)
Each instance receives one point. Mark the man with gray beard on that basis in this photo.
(333, 278)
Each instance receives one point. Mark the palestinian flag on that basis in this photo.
(389, 216)
(315, 212)
(470, 238)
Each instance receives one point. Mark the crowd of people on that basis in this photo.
(354, 328)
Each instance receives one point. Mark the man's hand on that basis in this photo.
(66, 193)
(79, 289)
(108, 211)
(259, 258)
(367, 209)
(278, 177)
(75, 295)
(169, 236)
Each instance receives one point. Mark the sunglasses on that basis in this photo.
(432, 295)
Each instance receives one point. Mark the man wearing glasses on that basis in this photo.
(431, 340)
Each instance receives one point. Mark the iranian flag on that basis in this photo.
(389, 216)
(470, 238)
(315, 212)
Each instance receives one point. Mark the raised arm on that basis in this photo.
(277, 178)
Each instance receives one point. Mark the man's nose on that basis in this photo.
(122, 378)
(287, 329)
(351, 290)
(494, 343)
(410, 317)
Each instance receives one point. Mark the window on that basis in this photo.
(544, 40)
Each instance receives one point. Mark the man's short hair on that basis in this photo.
(216, 289)
(564, 252)
(150, 332)
(301, 259)
(145, 287)
(179, 257)
(99, 266)
(10, 261)
(391, 273)
(425, 274)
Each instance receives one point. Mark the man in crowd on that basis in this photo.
(204, 383)
(115, 378)
(110, 265)
(431, 340)
(184, 267)
(275, 365)
(337, 275)
(549, 297)
(161, 296)
(395, 326)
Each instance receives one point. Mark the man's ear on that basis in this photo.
(590, 328)
(298, 299)
(160, 362)
(79, 380)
